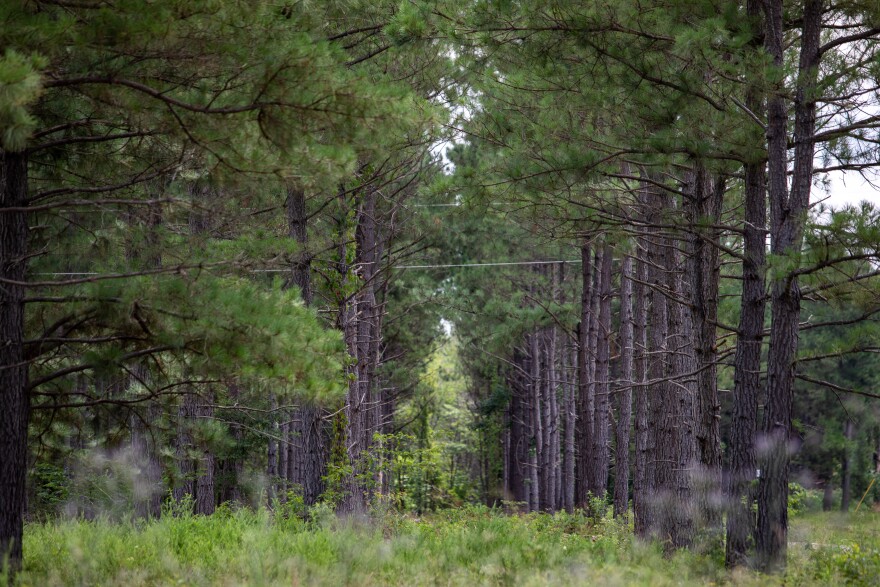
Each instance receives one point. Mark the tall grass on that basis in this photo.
(469, 546)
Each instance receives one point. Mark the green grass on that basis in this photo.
(471, 546)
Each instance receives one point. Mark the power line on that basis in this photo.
(445, 266)
(498, 264)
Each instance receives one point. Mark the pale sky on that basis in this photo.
(848, 188)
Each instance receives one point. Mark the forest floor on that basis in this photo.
(468, 546)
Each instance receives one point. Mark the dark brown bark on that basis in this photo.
(594, 485)
(749, 339)
(787, 221)
(535, 437)
(624, 391)
(283, 454)
(518, 446)
(703, 208)
(828, 496)
(185, 475)
(568, 450)
(309, 437)
(363, 337)
(642, 477)
(602, 415)
(680, 519)
(845, 469)
(231, 468)
(14, 402)
(662, 416)
(272, 452)
(148, 490)
(584, 404)
(555, 386)
(205, 499)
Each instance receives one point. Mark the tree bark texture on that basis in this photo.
(584, 404)
(624, 391)
(602, 415)
(749, 339)
(642, 473)
(363, 338)
(308, 437)
(205, 499)
(14, 403)
(703, 210)
(787, 221)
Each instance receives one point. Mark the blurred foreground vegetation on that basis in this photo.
(466, 546)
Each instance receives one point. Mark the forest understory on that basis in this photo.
(469, 546)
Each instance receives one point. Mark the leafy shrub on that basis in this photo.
(51, 488)
(802, 500)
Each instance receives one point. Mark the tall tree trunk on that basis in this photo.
(703, 210)
(787, 220)
(624, 391)
(148, 490)
(568, 407)
(272, 451)
(185, 482)
(642, 474)
(536, 442)
(845, 469)
(747, 360)
(519, 446)
(363, 341)
(14, 401)
(662, 417)
(584, 404)
(205, 499)
(594, 483)
(828, 496)
(602, 415)
(283, 454)
(553, 376)
(684, 428)
(231, 468)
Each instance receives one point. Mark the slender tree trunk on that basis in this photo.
(519, 449)
(749, 339)
(272, 451)
(684, 427)
(283, 454)
(787, 216)
(642, 477)
(553, 389)
(231, 468)
(594, 485)
(309, 436)
(828, 496)
(568, 459)
(506, 457)
(624, 391)
(546, 403)
(149, 488)
(205, 498)
(845, 469)
(363, 345)
(14, 401)
(584, 407)
(186, 414)
(536, 435)
(703, 209)
(602, 416)
(662, 468)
